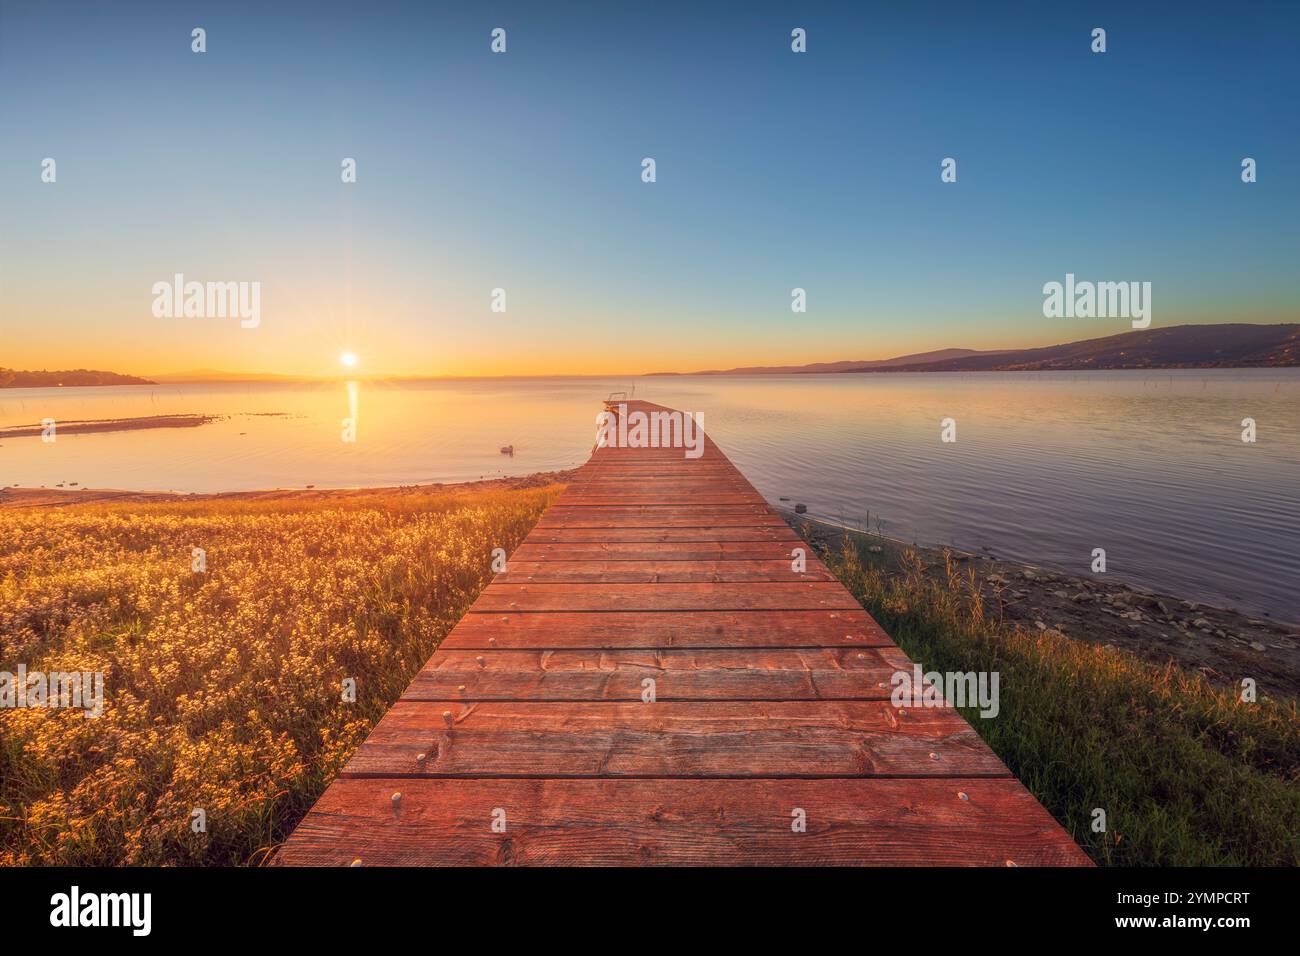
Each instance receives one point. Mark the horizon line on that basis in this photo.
(219, 375)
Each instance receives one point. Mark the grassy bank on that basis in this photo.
(1187, 775)
(223, 688)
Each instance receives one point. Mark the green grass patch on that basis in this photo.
(1187, 774)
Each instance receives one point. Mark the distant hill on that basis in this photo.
(865, 365)
(1228, 345)
(1179, 346)
(14, 378)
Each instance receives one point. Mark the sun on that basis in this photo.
(348, 359)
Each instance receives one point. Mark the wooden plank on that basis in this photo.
(667, 629)
(809, 595)
(621, 480)
(667, 462)
(610, 822)
(721, 474)
(664, 497)
(608, 551)
(654, 476)
(644, 463)
(562, 509)
(684, 488)
(569, 535)
(660, 498)
(828, 738)
(659, 469)
(592, 518)
(842, 673)
(652, 572)
(674, 493)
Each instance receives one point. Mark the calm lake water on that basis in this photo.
(1046, 467)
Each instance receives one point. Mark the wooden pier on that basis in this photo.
(527, 738)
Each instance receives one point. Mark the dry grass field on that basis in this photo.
(223, 688)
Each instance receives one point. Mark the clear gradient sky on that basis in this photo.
(522, 171)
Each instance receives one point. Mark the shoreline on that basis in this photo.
(1222, 644)
(67, 497)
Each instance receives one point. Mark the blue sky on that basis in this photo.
(522, 171)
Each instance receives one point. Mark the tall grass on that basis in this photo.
(224, 688)
(1187, 774)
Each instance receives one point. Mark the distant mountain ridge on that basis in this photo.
(1179, 346)
(864, 365)
(1225, 345)
(16, 378)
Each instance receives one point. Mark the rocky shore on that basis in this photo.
(1222, 644)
